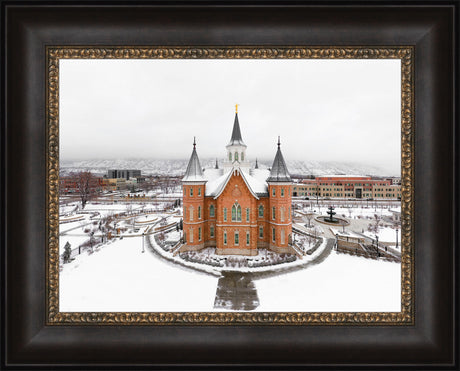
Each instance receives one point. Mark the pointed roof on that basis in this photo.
(279, 171)
(257, 164)
(217, 165)
(236, 138)
(194, 173)
(256, 187)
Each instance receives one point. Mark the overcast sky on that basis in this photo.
(324, 110)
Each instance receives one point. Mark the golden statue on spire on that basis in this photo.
(236, 108)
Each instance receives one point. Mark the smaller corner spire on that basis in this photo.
(217, 165)
(257, 164)
(279, 143)
(194, 143)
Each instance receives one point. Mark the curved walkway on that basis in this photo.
(319, 259)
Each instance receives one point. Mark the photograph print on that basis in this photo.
(232, 185)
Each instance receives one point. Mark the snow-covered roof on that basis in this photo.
(194, 173)
(279, 171)
(256, 183)
(236, 138)
(343, 176)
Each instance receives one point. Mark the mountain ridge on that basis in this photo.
(177, 167)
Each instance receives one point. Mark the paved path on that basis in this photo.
(319, 259)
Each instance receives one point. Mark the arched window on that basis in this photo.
(242, 156)
(225, 214)
(211, 211)
(273, 235)
(230, 156)
(236, 213)
(282, 214)
(261, 211)
(199, 234)
(236, 156)
(273, 213)
(261, 232)
(211, 231)
(237, 238)
(199, 212)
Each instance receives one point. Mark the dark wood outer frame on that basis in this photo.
(29, 29)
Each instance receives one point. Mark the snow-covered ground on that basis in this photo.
(118, 277)
(386, 235)
(342, 283)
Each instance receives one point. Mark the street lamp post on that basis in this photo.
(397, 236)
(143, 234)
(377, 242)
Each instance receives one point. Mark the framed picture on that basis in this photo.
(269, 187)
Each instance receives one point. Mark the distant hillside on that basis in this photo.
(177, 167)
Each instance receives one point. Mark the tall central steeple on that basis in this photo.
(236, 148)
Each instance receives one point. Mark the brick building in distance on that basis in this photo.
(348, 186)
(239, 208)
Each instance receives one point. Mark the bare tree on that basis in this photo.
(85, 183)
(375, 225)
(309, 218)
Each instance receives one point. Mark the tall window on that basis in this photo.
(247, 238)
(242, 156)
(199, 191)
(236, 156)
(199, 212)
(282, 192)
(211, 231)
(225, 238)
(191, 191)
(225, 214)
(230, 156)
(237, 238)
(247, 214)
(261, 211)
(273, 235)
(261, 232)
(236, 213)
(273, 213)
(282, 214)
(211, 211)
(273, 192)
(199, 234)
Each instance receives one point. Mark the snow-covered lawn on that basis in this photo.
(119, 277)
(342, 283)
(386, 235)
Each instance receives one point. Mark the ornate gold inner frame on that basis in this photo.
(405, 317)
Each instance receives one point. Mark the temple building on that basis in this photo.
(238, 208)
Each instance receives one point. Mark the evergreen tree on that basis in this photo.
(67, 252)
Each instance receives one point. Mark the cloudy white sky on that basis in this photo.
(324, 110)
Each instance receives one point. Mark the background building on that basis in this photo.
(348, 186)
(112, 174)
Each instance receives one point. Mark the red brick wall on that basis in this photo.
(236, 191)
